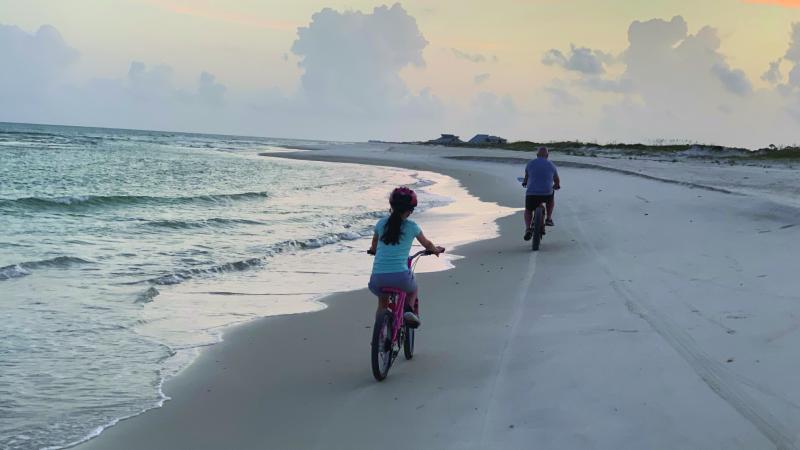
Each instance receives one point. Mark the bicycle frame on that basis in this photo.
(397, 303)
(386, 344)
(397, 299)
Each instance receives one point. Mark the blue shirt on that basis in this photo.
(394, 258)
(541, 176)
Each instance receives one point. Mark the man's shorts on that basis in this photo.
(532, 201)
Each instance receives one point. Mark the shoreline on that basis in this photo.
(254, 282)
(519, 373)
(441, 185)
(325, 300)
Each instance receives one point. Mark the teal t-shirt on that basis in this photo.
(394, 258)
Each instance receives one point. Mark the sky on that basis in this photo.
(712, 71)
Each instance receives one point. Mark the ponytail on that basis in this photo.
(392, 229)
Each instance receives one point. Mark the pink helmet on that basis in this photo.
(403, 198)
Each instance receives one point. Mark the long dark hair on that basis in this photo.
(393, 228)
(402, 201)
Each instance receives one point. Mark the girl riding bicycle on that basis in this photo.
(391, 244)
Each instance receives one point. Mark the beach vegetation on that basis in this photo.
(660, 148)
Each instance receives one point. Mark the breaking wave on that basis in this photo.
(25, 268)
(251, 263)
(78, 201)
(204, 223)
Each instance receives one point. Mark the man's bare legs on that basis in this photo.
(551, 205)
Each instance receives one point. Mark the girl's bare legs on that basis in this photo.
(383, 303)
(410, 316)
(411, 300)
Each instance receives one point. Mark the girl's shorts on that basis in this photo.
(399, 280)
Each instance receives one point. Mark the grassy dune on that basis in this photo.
(578, 148)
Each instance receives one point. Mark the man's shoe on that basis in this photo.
(528, 235)
(411, 320)
(549, 222)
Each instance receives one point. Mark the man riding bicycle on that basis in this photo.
(541, 179)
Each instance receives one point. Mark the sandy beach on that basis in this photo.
(661, 312)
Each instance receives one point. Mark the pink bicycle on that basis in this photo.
(390, 332)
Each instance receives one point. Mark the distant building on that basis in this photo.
(485, 139)
(446, 139)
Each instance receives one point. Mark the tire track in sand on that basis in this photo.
(718, 378)
(502, 364)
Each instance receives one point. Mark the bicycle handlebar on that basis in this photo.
(415, 255)
(426, 252)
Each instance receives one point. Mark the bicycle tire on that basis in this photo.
(538, 223)
(408, 343)
(410, 336)
(381, 346)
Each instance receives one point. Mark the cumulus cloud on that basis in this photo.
(678, 84)
(351, 61)
(351, 85)
(734, 80)
(669, 82)
(665, 65)
(147, 97)
(773, 75)
(481, 78)
(150, 83)
(472, 57)
(35, 87)
(578, 59)
(600, 84)
(351, 82)
(793, 55)
(209, 91)
(32, 61)
(793, 52)
(655, 34)
(154, 85)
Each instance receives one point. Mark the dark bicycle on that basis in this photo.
(537, 227)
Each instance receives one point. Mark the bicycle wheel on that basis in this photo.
(538, 225)
(408, 343)
(381, 348)
(410, 335)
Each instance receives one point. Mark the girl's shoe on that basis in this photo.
(411, 320)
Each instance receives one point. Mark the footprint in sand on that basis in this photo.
(738, 315)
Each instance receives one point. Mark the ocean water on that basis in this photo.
(124, 252)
